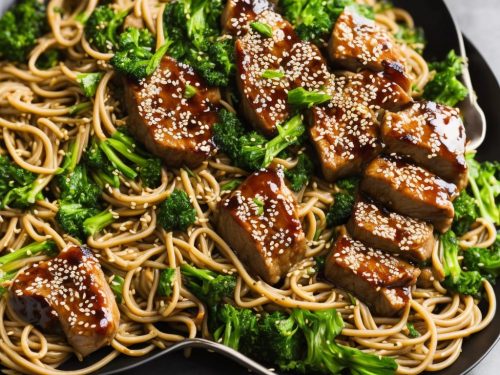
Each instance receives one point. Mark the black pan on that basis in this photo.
(441, 33)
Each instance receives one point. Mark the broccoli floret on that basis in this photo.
(465, 213)
(71, 217)
(166, 282)
(349, 184)
(485, 261)
(210, 287)
(299, 175)
(102, 171)
(341, 209)
(48, 248)
(237, 328)
(77, 187)
(314, 19)
(463, 282)
(302, 342)
(88, 83)
(445, 88)
(257, 152)
(414, 37)
(484, 182)
(94, 224)
(20, 27)
(48, 59)
(300, 97)
(134, 56)
(18, 187)
(176, 212)
(116, 286)
(102, 26)
(227, 133)
(192, 28)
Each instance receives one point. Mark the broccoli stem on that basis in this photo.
(35, 248)
(124, 150)
(117, 162)
(96, 223)
(80, 107)
(4, 278)
(191, 271)
(70, 159)
(116, 286)
(102, 179)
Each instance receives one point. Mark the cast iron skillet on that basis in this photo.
(441, 33)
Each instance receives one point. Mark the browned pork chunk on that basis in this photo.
(345, 136)
(264, 100)
(433, 136)
(260, 222)
(380, 280)
(68, 294)
(239, 13)
(379, 228)
(410, 190)
(358, 43)
(374, 90)
(173, 125)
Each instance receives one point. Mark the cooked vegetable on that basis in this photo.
(299, 175)
(463, 282)
(485, 261)
(414, 37)
(20, 27)
(300, 97)
(231, 185)
(262, 28)
(101, 28)
(466, 213)
(166, 282)
(88, 83)
(412, 332)
(314, 19)
(484, 182)
(279, 340)
(19, 188)
(176, 212)
(117, 287)
(48, 59)
(192, 28)
(445, 87)
(210, 287)
(134, 56)
(273, 74)
(343, 202)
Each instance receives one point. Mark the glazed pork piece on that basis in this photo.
(345, 136)
(410, 190)
(375, 226)
(358, 43)
(239, 13)
(68, 294)
(259, 220)
(432, 135)
(264, 100)
(173, 126)
(380, 280)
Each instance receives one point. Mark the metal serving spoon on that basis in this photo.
(203, 344)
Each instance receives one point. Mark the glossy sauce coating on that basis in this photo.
(68, 294)
(172, 126)
(260, 221)
(238, 13)
(433, 135)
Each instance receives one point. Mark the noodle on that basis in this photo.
(36, 128)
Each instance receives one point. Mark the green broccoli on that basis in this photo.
(101, 28)
(343, 202)
(95, 224)
(463, 282)
(71, 217)
(49, 59)
(484, 182)
(166, 282)
(210, 287)
(445, 88)
(314, 19)
(414, 37)
(300, 97)
(412, 331)
(134, 56)
(20, 27)
(236, 328)
(231, 185)
(9, 263)
(18, 187)
(192, 28)
(466, 213)
(88, 83)
(176, 212)
(102, 171)
(485, 261)
(300, 175)
(116, 286)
